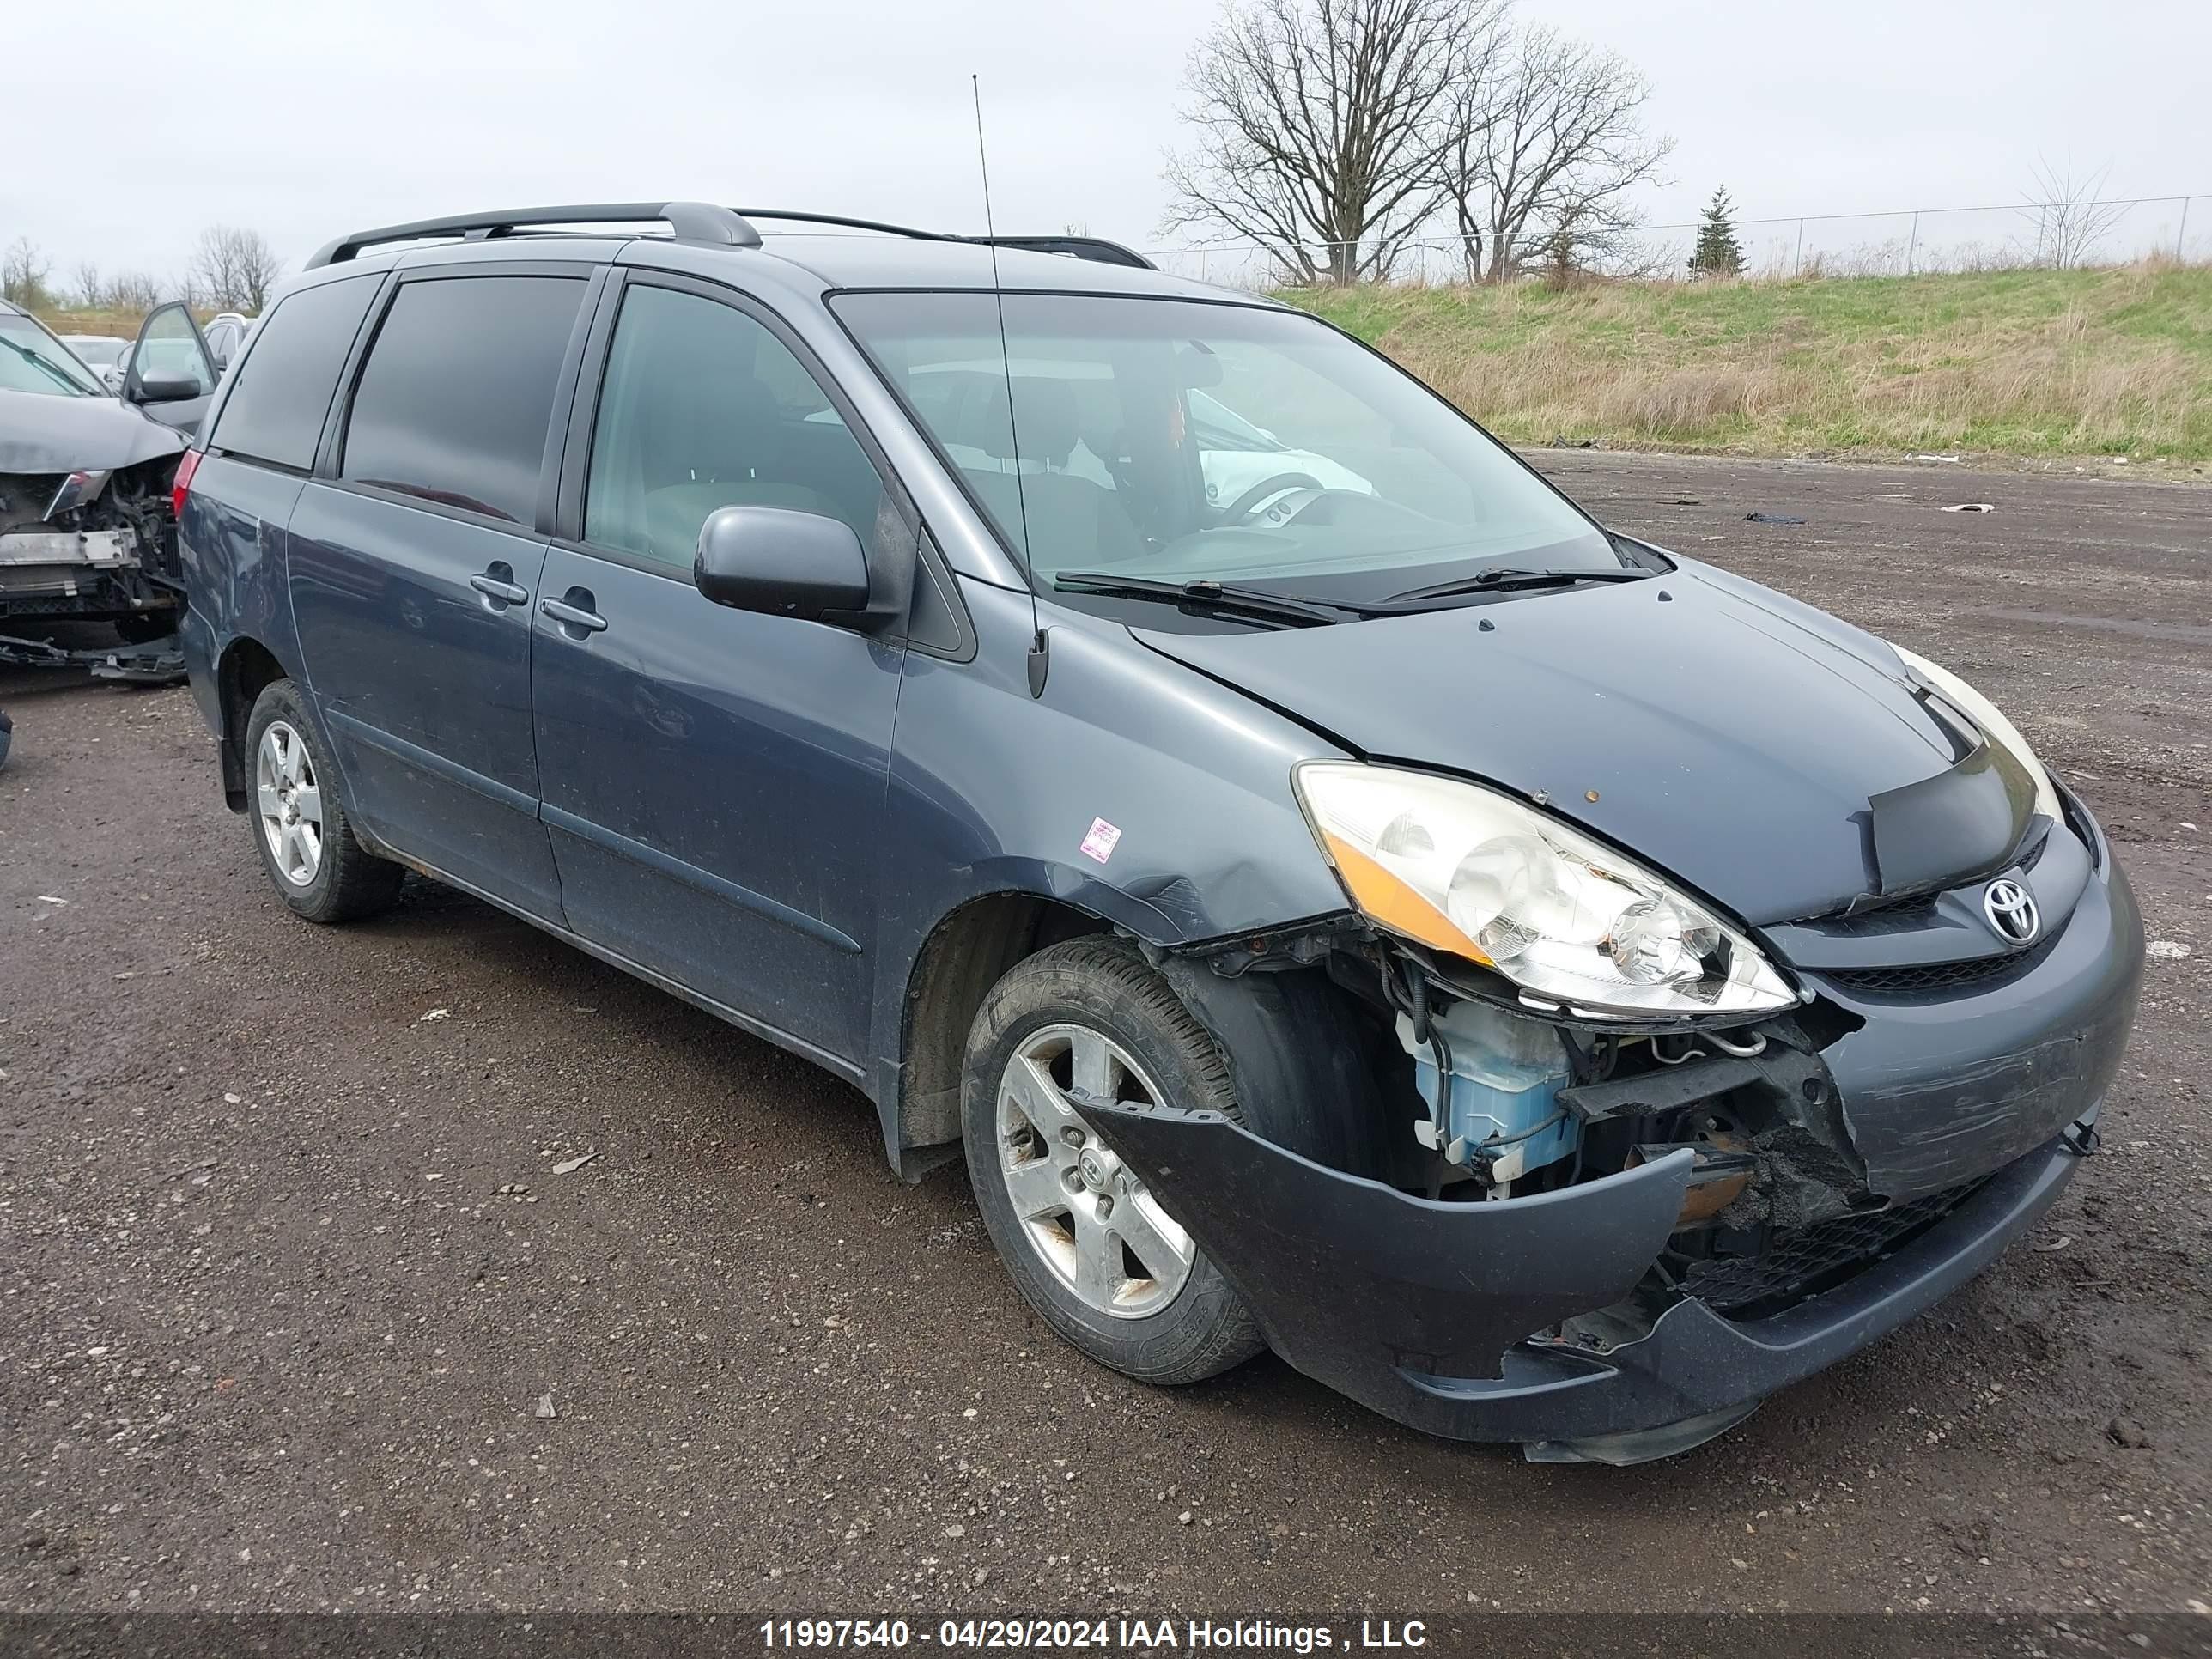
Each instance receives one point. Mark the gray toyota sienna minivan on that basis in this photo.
(1338, 897)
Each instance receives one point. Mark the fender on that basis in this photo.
(1111, 794)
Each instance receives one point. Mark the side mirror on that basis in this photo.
(781, 562)
(166, 387)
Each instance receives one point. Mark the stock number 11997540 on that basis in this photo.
(835, 1633)
(954, 1633)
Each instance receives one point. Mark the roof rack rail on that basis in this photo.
(1096, 248)
(692, 221)
(1078, 248)
(845, 222)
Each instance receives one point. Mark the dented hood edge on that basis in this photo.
(42, 431)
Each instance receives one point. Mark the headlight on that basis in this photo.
(1995, 726)
(1483, 876)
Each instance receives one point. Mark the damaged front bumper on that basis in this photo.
(1548, 1319)
(93, 545)
(1407, 1304)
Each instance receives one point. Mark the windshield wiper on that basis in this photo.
(1220, 599)
(54, 370)
(1505, 580)
(1302, 611)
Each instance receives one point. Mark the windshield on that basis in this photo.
(31, 360)
(1178, 440)
(100, 351)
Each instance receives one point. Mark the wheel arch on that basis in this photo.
(964, 954)
(246, 669)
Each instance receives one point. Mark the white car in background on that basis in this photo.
(225, 334)
(103, 354)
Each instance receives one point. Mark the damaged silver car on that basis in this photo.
(87, 524)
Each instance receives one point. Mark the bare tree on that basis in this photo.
(234, 270)
(23, 272)
(90, 292)
(136, 290)
(1550, 138)
(1318, 122)
(1478, 103)
(2070, 213)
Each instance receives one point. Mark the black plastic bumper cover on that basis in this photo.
(1936, 1093)
(1406, 1305)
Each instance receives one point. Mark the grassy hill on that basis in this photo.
(2018, 362)
(123, 323)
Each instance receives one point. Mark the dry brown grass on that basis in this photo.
(125, 322)
(2031, 363)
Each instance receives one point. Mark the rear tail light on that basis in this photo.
(187, 464)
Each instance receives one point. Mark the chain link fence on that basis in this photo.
(1906, 242)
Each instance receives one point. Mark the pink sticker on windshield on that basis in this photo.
(1099, 843)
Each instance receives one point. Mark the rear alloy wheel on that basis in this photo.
(289, 801)
(1089, 1248)
(300, 824)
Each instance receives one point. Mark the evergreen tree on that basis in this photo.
(1717, 253)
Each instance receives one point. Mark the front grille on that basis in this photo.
(1978, 973)
(1805, 1262)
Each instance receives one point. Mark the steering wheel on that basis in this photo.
(1266, 491)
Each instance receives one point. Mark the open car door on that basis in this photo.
(172, 376)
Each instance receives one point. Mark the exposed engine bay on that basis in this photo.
(1506, 1103)
(98, 545)
(1511, 1103)
(1480, 1098)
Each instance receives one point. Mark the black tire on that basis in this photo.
(348, 881)
(1105, 986)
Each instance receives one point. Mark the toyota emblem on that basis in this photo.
(2011, 911)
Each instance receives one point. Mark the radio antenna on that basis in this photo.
(1040, 659)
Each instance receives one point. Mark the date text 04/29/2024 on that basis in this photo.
(1077, 1634)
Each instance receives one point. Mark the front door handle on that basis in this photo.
(571, 614)
(498, 583)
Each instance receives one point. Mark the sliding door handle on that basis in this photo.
(571, 614)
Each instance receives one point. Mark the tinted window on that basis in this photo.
(275, 412)
(453, 402)
(704, 408)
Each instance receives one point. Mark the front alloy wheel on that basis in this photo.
(1080, 1023)
(1091, 1220)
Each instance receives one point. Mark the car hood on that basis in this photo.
(41, 432)
(1730, 736)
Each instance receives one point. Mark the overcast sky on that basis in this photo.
(133, 123)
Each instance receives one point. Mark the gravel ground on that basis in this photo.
(295, 1312)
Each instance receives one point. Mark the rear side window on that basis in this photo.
(275, 413)
(453, 402)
